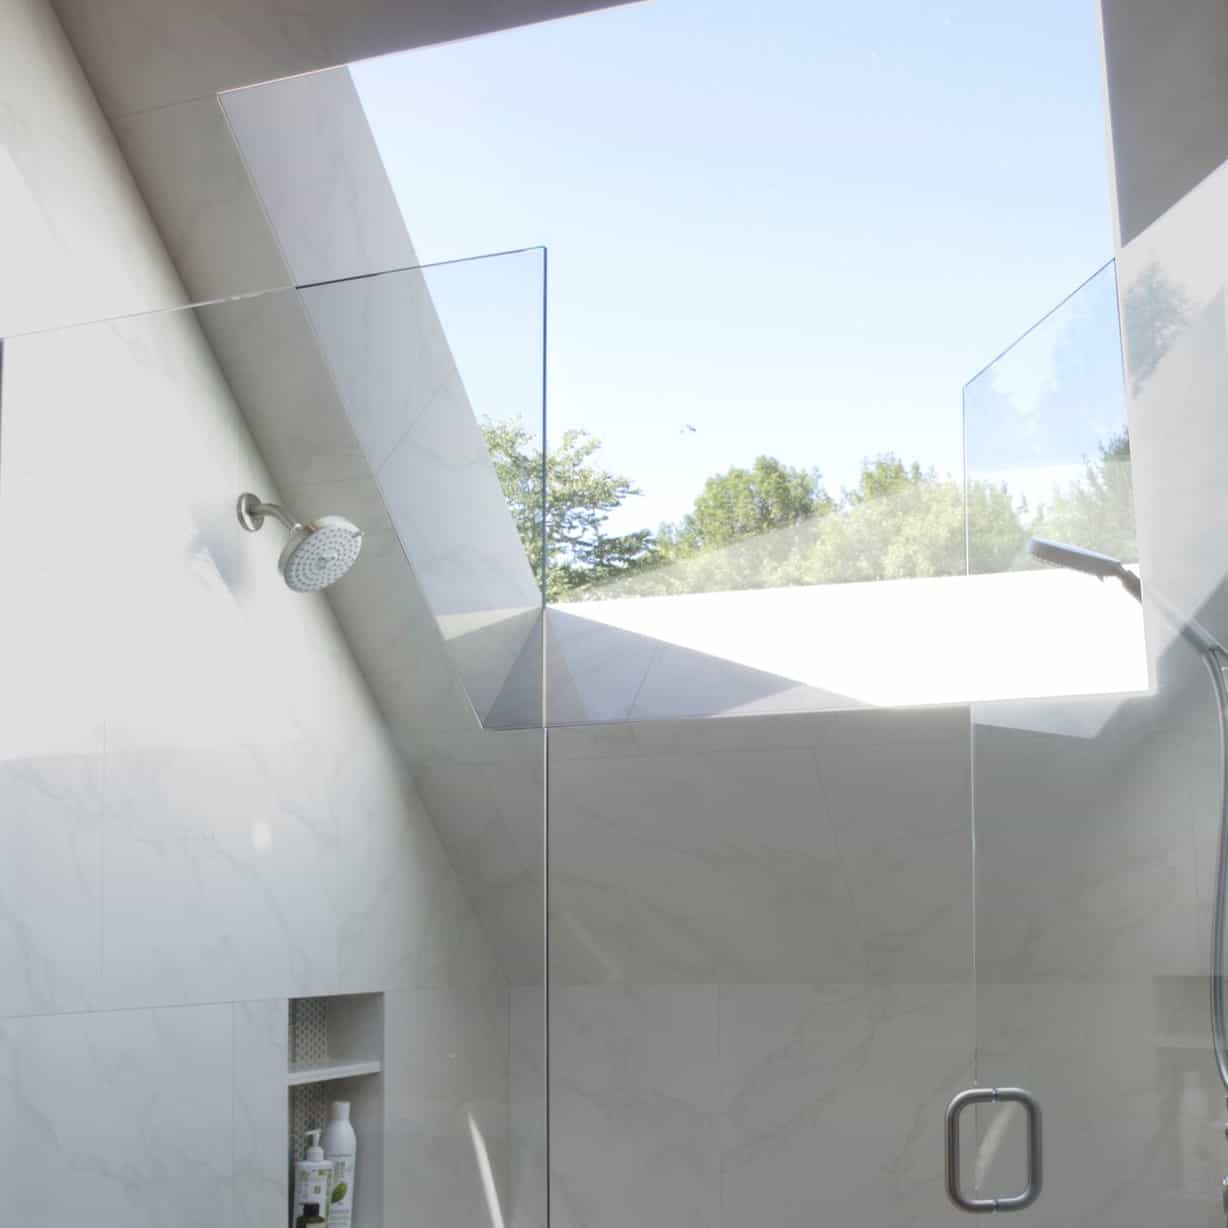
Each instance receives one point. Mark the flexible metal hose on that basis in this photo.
(1214, 657)
(1216, 661)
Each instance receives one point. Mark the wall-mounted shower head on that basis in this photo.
(317, 554)
(1089, 562)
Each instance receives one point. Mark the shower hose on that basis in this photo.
(1216, 661)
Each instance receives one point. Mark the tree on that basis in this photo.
(772, 525)
(1156, 311)
(903, 522)
(580, 494)
(746, 502)
(1097, 511)
(745, 530)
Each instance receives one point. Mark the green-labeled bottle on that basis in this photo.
(311, 1217)
(313, 1181)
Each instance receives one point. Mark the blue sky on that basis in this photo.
(800, 228)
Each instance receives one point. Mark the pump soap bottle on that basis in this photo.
(313, 1181)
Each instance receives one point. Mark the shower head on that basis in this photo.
(1089, 562)
(317, 554)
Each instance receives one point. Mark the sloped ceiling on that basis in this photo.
(157, 67)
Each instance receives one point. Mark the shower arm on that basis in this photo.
(252, 511)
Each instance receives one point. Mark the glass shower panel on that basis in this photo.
(1089, 810)
(761, 989)
(1046, 438)
(440, 371)
(248, 827)
(1047, 455)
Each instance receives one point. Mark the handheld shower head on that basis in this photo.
(1089, 562)
(317, 554)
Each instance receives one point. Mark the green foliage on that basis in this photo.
(1098, 510)
(903, 522)
(773, 525)
(746, 529)
(898, 522)
(1156, 310)
(744, 502)
(580, 495)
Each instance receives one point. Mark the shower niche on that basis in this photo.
(1188, 1088)
(336, 1052)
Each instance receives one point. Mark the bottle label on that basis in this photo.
(312, 1185)
(341, 1200)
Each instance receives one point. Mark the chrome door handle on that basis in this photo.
(994, 1095)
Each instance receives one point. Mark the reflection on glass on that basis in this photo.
(774, 593)
(1047, 445)
(1046, 452)
(420, 359)
(763, 525)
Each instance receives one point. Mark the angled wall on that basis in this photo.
(204, 810)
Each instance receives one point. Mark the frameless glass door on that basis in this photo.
(1093, 819)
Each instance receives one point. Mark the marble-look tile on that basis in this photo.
(695, 868)
(404, 919)
(278, 375)
(634, 1100)
(50, 882)
(1087, 859)
(260, 1112)
(735, 1104)
(191, 173)
(526, 1189)
(1109, 1085)
(147, 53)
(315, 167)
(902, 813)
(595, 671)
(446, 1096)
(833, 1101)
(150, 54)
(163, 656)
(681, 683)
(491, 790)
(221, 876)
(118, 1118)
(412, 414)
(77, 241)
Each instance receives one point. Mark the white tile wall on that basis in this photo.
(761, 993)
(50, 882)
(202, 809)
(762, 928)
(634, 1100)
(220, 868)
(526, 1183)
(67, 249)
(119, 1117)
(733, 1104)
(447, 1105)
(259, 1112)
(842, 854)
(834, 1099)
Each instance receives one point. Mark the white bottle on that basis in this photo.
(313, 1179)
(341, 1148)
(1193, 1115)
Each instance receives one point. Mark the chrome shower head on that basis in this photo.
(318, 553)
(1089, 562)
